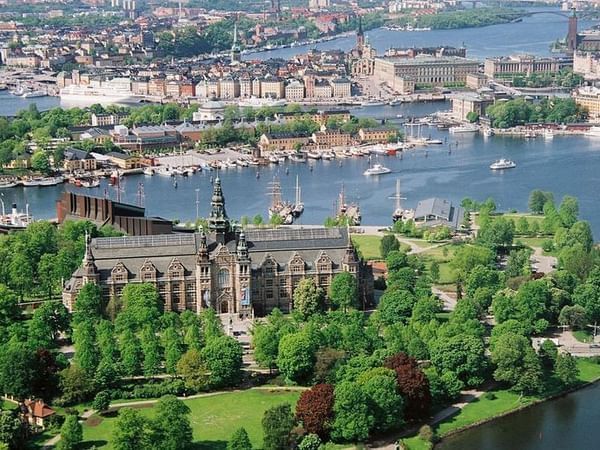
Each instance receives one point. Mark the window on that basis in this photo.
(223, 278)
(269, 294)
(176, 293)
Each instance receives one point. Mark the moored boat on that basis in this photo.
(502, 164)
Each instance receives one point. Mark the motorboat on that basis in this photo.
(548, 134)
(327, 155)
(502, 164)
(273, 159)
(430, 141)
(90, 183)
(530, 135)
(242, 163)
(164, 171)
(313, 155)
(467, 128)
(8, 184)
(149, 171)
(488, 132)
(230, 164)
(35, 94)
(297, 158)
(377, 169)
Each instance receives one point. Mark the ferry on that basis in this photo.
(117, 90)
(8, 184)
(255, 102)
(373, 102)
(467, 128)
(377, 169)
(35, 94)
(42, 181)
(502, 164)
(15, 220)
(593, 132)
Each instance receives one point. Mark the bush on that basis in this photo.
(490, 396)
(548, 245)
(379, 284)
(426, 434)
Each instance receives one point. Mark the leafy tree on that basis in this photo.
(173, 345)
(107, 344)
(9, 306)
(352, 419)
(384, 400)
(388, 244)
(538, 199)
(497, 233)
(576, 260)
(296, 356)
(12, 431)
(223, 359)
(517, 364)
(277, 424)
(192, 337)
(343, 291)
(395, 306)
(171, 429)
(413, 385)
(88, 306)
(86, 349)
(211, 324)
(308, 297)
(568, 210)
(131, 355)
(141, 306)
(47, 273)
(469, 256)
(434, 271)
(75, 384)
(40, 161)
(314, 409)
(310, 442)
(425, 309)
(548, 354)
(239, 440)
(130, 432)
(17, 369)
(101, 401)
(193, 371)
(71, 433)
(462, 354)
(20, 272)
(566, 369)
(151, 350)
(444, 388)
(573, 316)
(518, 263)
(265, 340)
(48, 321)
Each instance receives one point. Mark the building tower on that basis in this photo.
(572, 32)
(203, 275)
(243, 276)
(90, 271)
(236, 55)
(218, 222)
(360, 37)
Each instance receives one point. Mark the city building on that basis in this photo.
(587, 64)
(331, 138)
(376, 135)
(210, 111)
(282, 141)
(589, 98)
(465, 103)
(242, 272)
(294, 91)
(75, 159)
(434, 212)
(342, 88)
(509, 66)
(36, 413)
(426, 71)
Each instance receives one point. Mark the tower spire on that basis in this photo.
(218, 222)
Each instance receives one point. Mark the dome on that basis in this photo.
(213, 105)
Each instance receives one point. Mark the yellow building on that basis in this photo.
(589, 98)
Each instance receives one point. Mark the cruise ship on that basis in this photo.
(116, 90)
(255, 102)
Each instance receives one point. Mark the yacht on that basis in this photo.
(377, 169)
(548, 134)
(313, 155)
(8, 184)
(488, 132)
(467, 128)
(327, 155)
(90, 183)
(149, 171)
(34, 94)
(297, 158)
(593, 132)
(502, 164)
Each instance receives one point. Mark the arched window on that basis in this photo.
(223, 278)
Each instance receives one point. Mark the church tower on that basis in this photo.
(572, 32)
(236, 54)
(90, 271)
(360, 37)
(203, 275)
(243, 276)
(218, 222)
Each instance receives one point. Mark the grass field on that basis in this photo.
(213, 418)
(504, 400)
(367, 245)
(443, 255)
(583, 335)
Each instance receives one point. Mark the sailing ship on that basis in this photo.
(279, 206)
(399, 213)
(349, 213)
(298, 208)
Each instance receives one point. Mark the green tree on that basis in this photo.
(88, 306)
(86, 349)
(141, 306)
(537, 200)
(12, 431)
(9, 306)
(17, 369)
(308, 298)
(434, 271)
(388, 244)
(239, 440)
(101, 401)
(296, 356)
(151, 350)
(193, 370)
(223, 359)
(171, 429)
(131, 355)
(573, 316)
(277, 424)
(568, 210)
(71, 433)
(352, 418)
(343, 291)
(130, 432)
(40, 161)
(76, 384)
(310, 441)
(395, 306)
(21, 273)
(385, 403)
(566, 369)
(462, 354)
(48, 321)
(173, 345)
(517, 364)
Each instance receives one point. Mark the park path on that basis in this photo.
(448, 300)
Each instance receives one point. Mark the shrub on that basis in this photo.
(426, 434)
(490, 396)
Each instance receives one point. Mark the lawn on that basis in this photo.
(443, 255)
(367, 245)
(583, 335)
(213, 418)
(503, 400)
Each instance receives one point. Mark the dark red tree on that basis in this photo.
(315, 409)
(413, 385)
(45, 384)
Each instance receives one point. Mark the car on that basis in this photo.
(594, 345)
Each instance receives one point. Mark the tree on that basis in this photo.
(86, 349)
(265, 340)
(308, 297)
(548, 353)
(130, 432)
(310, 442)
(131, 355)
(566, 369)
(9, 306)
(568, 210)
(75, 384)
(277, 424)
(388, 244)
(314, 409)
(151, 350)
(352, 419)
(173, 345)
(48, 321)
(193, 371)
(497, 233)
(576, 260)
(101, 401)
(12, 431)
(71, 433)
(384, 400)
(343, 291)
(171, 429)
(469, 256)
(413, 385)
(537, 200)
(40, 161)
(17, 369)
(88, 305)
(434, 271)
(425, 309)
(239, 440)
(295, 358)
(20, 272)
(223, 359)
(395, 306)
(462, 354)
(517, 364)
(141, 306)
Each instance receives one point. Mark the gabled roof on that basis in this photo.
(39, 408)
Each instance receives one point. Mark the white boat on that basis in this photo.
(328, 155)
(394, 103)
(373, 103)
(502, 164)
(377, 169)
(378, 150)
(149, 171)
(8, 184)
(15, 220)
(90, 183)
(253, 162)
(430, 141)
(467, 128)
(530, 135)
(313, 155)
(297, 158)
(32, 181)
(488, 132)
(242, 163)
(230, 164)
(51, 181)
(273, 159)
(255, 102)
(593, 132)
(116, 90)
(548, 134)
(164, 171)
(34, 94)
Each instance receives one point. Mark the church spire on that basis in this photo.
(90, 271)
(218, 222)
(242, 246)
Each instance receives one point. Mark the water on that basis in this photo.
(569, 423)
(534, 35)
(11, 105)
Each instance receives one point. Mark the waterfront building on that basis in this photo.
(587, 64)
(322, 89)
(400, 73)
(589, 98)
(229, 88)
(342, 88)
(157, 87)
(245, 86)
(476, 81)
(78, 160)
(243, 272)
(434, 212)
(331, 138)
(272, 87)
(294, 91)
(510, 66)
(123, 160)
(465, 103)
(376, 135)
(281, 141)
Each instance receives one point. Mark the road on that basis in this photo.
(543, 263)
